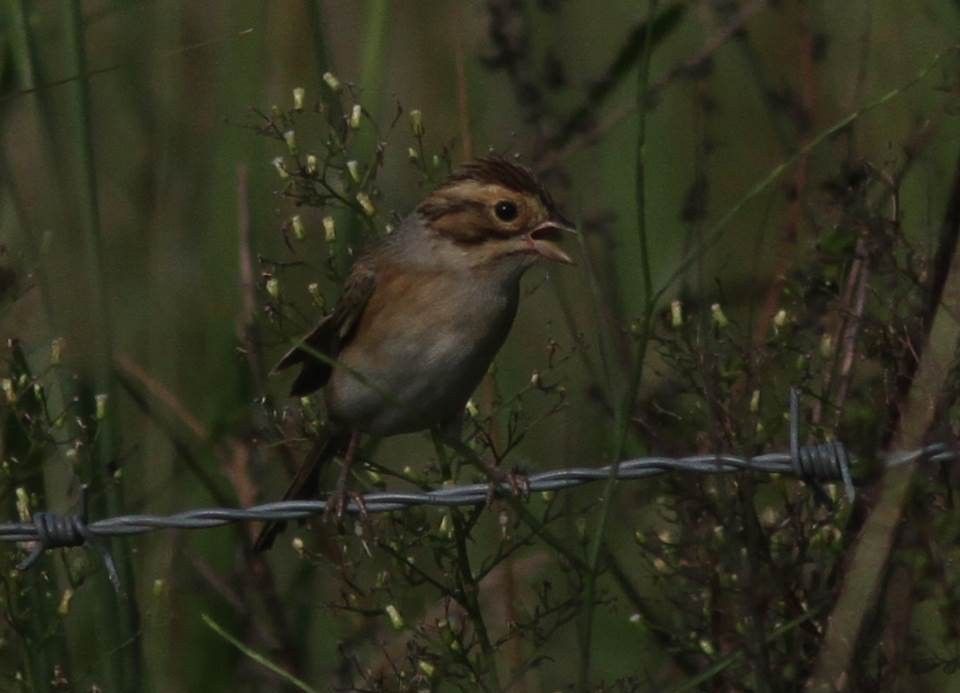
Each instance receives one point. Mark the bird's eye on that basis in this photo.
(505, 211)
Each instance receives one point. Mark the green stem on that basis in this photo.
(257, 657)
(120, 617)
(626, 407)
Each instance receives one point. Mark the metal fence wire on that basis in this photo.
(814, 463)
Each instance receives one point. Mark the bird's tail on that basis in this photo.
(305, 483)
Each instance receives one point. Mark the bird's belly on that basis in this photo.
(415, 378)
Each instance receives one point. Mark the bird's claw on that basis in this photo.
(519, 485)
(337, 505)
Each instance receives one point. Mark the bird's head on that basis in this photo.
(493, 212)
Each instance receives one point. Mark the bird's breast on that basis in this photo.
(419, 350)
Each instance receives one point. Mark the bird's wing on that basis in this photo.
(332, 332)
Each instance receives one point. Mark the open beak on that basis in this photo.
(540, 240)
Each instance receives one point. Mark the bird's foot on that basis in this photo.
(518, 481)
(337, 504)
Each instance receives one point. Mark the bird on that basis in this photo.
(421, 315)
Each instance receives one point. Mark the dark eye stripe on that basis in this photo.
(437, 209)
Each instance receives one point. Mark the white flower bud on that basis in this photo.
(312, 164)
(281, 168)
(676, 313)
(290, 137)
(101, 406)
(354, 169)
(296, 225)
(329, 230)
(23, 504)
(396, 620)
(355, 113)
(273, 287)
(719, 318)
(298, 94)
(366, 204)
(331, 81)
(780, 319)
(412, 154)
(416, 122)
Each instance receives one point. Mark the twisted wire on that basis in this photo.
(817, 463)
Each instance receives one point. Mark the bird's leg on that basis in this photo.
(338, 501)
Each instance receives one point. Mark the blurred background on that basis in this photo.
(151, 272)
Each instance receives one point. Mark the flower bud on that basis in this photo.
(273, 287)
(426, 668)
(780, 319)
(412, 154)
(416, 122)
(296, 226)
(312, 164)
(446, 527)
(676, 313)
(354, 169)
(331, 81)
(7, 386)
(472, 409)
(298, 94)
(297, 544)
(23, 504)
(355, 113)
(281, 168)
(396, 620)
(719, 318)
(329, 230)
(313, 288)
(290, 137)
(101, 406)
(366, 204)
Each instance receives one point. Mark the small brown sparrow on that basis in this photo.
(422, 315)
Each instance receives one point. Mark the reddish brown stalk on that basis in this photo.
(787, 250)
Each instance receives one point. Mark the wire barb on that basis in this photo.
(53, 531)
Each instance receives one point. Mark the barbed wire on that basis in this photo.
(816, 463)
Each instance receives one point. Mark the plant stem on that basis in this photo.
(119, 613)
(257, 657)
(626, 407)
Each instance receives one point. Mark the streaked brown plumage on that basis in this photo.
(424, 312)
